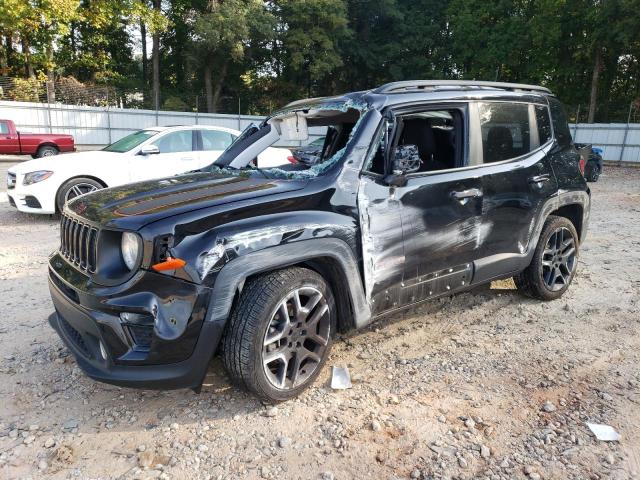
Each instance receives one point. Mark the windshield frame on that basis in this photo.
(133, 147)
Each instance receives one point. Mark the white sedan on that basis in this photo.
(44, 185)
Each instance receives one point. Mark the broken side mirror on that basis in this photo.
(406, 160)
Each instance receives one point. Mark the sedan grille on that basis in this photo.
(78, 243)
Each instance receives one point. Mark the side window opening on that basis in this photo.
(435, 135)
(336, 139)
(215, 139)
(4, 128)
(374, 162)
(174, 142)
(506, 131)
(560, 125)
(544, 123)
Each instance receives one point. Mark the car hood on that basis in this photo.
(67, 160)
(135, 205)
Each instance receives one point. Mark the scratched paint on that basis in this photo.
(381, 237)
(237, 244)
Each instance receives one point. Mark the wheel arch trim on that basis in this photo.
(92, 177)
(230, 279)
(47, 144)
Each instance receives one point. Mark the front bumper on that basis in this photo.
(91, 327)
(36, 198)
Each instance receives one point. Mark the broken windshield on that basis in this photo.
(336, 122)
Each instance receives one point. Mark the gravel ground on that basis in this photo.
(486, 384)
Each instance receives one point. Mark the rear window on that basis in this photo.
(559, 119)
(215, 139)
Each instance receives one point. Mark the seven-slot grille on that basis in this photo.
(78, 243)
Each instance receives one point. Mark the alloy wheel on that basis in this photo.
(559, 259)
(79, 189)
(296, 338)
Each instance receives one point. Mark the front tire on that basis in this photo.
(279, 334)
(74, 188)
(554, 261)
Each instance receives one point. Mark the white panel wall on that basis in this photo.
(98, 126)
(610, 137)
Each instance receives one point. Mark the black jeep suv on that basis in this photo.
(423, 189)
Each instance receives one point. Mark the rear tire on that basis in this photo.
(594, 174)
(47, 151)
(279, 334)
(75, 187)
(554, 261)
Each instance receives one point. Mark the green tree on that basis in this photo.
(223, 36)
(307, 53)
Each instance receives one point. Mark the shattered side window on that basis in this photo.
(374, 162)
(338, 121)
(342, 122)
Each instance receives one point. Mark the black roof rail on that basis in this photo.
(408, 85)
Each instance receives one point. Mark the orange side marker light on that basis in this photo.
(169, 264)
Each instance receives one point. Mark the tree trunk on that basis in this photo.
(74, 50)
(156, 62)
(9, 49)
(218, 90)
(208, 87)
(609, 74)
(4, 59)
(51, 89)
(28, 67)
(145, 77)
(593, 98)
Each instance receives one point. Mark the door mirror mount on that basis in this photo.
(149, 150)
(396, 179)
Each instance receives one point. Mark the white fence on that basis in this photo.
(99, 126)
(620, 142)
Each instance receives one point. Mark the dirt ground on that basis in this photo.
(486, 384)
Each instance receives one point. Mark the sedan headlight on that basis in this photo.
(35, 177)
(130, 248)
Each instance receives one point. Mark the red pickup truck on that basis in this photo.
(37, 145)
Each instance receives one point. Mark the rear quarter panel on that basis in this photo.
(32, 141)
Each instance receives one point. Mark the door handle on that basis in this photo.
(463, 196)
(539, 178)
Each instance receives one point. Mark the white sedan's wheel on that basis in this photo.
(74, 188)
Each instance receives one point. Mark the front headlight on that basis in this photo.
(130, 248)
(35, 177)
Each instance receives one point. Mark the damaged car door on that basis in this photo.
(422, 214)
(517, 179)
